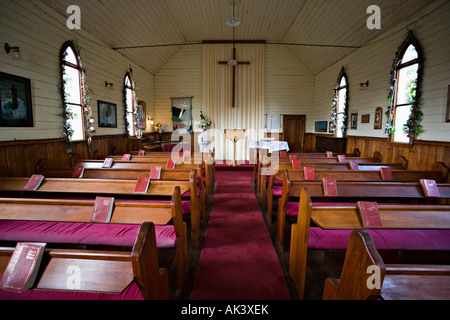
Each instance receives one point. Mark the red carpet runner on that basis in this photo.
(238, 260)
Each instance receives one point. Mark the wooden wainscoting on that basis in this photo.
(421, 156)
(19, 158)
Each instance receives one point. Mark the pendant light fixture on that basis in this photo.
(233, 21)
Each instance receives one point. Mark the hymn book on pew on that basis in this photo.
(430, 188)
(142, 184)
(34, 182)
(353, 165)
(292, 157)
(126, 157)
(309, 173)
(386, 174)
(369, 214)
(102, 211)
(155, 173)
(296, 164)
(107, 163)
(283, 154)
(329, 187)
(341, 158)
(22, 269)
(78, 171)
(170, 164)
(141, 153)
(329, 154)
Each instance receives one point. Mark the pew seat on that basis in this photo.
(95, 234)
(106, 275)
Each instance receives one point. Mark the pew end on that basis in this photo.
(361, 255)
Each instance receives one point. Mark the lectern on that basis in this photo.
(234, 135)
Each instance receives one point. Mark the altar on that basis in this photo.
(270, 145)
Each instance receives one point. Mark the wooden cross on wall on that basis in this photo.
(233, 94)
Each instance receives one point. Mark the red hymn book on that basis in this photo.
(142, 184)
(309, 174)
(430, 188)
(170, 164)
(107, 163)
(78, 171)
(296, 164)
(23, 266)
(370, 214)
(102, 211)
(34, 182)
(155, 173)
(329, 187)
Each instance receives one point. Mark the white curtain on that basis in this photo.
(217, 96)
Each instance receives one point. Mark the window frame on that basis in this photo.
(78, 67)
(129, 127)
(397, 67)
(336, 111)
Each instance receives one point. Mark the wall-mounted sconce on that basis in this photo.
(109, 85)
(15, 50)
(149, 120)
(364, 86)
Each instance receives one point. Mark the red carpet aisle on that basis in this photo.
(238, 260)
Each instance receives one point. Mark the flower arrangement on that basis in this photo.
(205, 122)
(158, 128)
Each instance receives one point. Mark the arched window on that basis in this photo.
(130, 98)
(72, 93)
(339, 107)
(404, 114)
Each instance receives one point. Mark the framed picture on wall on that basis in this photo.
(354, 121)
(107, 114)
(15, 101)
(182, 115)
(378, 118)
(321, 126)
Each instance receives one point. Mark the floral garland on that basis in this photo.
(412, 127)
(205, 122)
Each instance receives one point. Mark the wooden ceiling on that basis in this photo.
(149, 23)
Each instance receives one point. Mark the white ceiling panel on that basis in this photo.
(149, 23)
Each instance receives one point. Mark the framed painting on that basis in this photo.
(182, 115)
(354, 121)
(378, 118)
(15, 101)
(321, 126)
(107, 114)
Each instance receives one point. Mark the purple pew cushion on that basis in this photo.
(81, 233)
(130, 293)
(277, 191)
(383, 239)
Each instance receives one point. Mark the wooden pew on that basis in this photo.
(340, 166)
(349, 191)
(197, 197)
(108, 271)
(439, 173)
(80, 211)
(396, 282)
(347, 217)
(207, 160)
(89, 188)
(146, 165)
(311, 155)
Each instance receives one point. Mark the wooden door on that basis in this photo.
(294, 132)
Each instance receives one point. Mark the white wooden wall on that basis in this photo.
(40, 35)
(374, 63)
